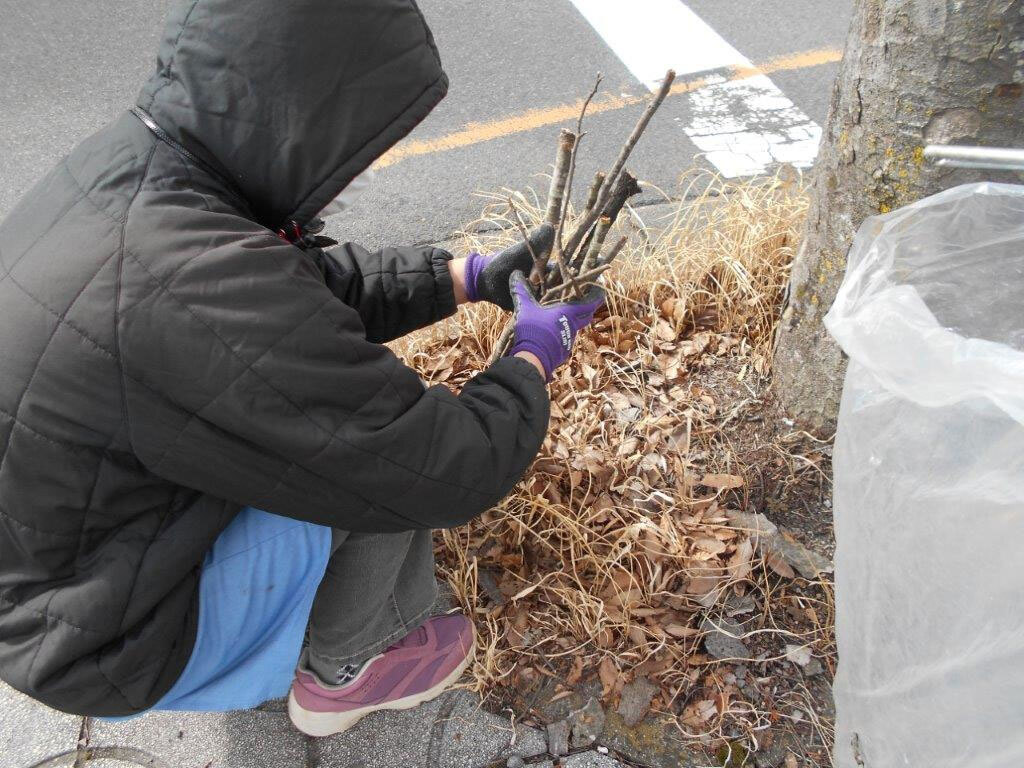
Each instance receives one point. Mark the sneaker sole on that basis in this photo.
(321, 724)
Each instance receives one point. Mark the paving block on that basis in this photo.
(475, 737)
(245, 739)
(449, 732)
(31, 732)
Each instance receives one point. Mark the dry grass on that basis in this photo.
(623, 540)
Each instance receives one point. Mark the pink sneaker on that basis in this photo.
(418, 668)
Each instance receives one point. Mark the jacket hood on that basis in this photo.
(348, 196)
(292, 99)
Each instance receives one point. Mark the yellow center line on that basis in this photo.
(475, 133)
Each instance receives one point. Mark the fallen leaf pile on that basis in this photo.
(632, 544)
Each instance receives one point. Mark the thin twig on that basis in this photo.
(609, 183)
(558, 292)
(567, 196)
(567, 274)
(539, 265)
(588, 275)
(591, 274)
(595, 188)
(615, 250)
(502, 343)
(597, 243)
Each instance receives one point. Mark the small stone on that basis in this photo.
(813, 669)
(738, 605)
(635, 700)
(798, 654)
(587, 724)
(807, 562)
(558, 738)
(489, 584)
(515, 762)
(722, 639)
(562, 706)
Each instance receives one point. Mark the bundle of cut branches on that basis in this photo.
(582, 258)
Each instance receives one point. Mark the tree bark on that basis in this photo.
(914, 72)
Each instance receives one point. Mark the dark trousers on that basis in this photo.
(377, 589)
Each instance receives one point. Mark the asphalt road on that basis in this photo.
(754, 85)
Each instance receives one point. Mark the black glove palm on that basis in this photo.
(487, 276)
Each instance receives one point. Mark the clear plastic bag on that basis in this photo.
(929, 486)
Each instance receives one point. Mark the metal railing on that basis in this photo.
(993, 158)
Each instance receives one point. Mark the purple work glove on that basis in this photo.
(487, 276)
(548, 332)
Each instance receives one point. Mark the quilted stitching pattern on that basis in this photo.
(259, 387)
(167, 359)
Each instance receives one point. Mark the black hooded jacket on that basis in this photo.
(166, 358)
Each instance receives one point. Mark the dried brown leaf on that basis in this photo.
(722, 482)
(678, 630)
(609, 675)
(777, 563)
(740, 564)
(710, 545)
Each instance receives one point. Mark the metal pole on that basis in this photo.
(994, 158)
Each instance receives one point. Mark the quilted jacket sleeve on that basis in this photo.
(248, 379)
(394, 290)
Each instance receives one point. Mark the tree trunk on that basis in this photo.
(915, 72)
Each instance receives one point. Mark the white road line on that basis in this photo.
(742, 126)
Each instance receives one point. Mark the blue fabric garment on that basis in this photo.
(255, 594)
